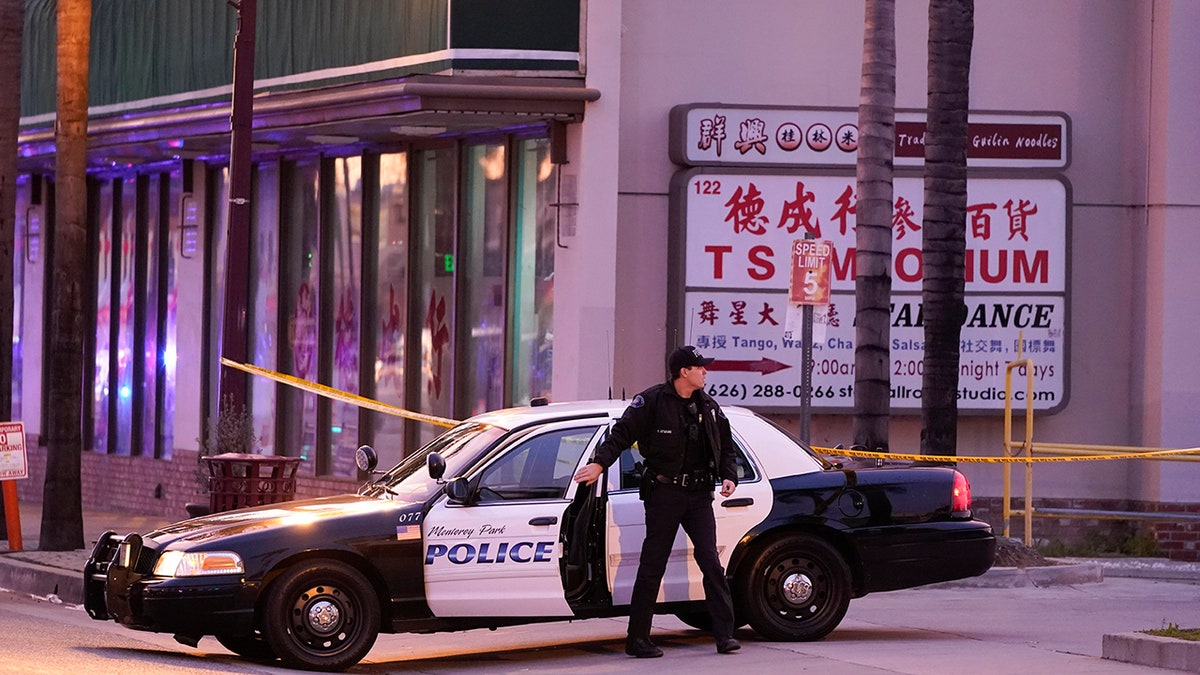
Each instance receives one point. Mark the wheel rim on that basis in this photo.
(323, 619)
(796, 588)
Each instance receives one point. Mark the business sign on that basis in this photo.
(730, 135)
(735, 237)
(13, 463)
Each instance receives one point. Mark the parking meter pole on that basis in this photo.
(12, 515)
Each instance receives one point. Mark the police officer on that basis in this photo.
(685, 440)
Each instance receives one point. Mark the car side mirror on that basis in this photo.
(436, 465)
(366, 458)
(458, 491)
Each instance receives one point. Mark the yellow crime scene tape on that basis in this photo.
(378, 406)
(998, 460)
(339, 395)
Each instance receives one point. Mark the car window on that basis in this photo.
(539, 467)
(630, 465)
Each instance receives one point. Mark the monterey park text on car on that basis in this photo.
(484, 527)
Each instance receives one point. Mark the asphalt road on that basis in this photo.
(955, 630)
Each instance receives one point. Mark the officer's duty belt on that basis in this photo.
(685, 479)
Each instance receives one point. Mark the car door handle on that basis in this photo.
(544, 520)
(740, 501)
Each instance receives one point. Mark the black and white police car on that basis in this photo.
(484, 527)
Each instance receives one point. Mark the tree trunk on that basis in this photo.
(12, 24)
(944, 241)
(873, 234)
(62, 510)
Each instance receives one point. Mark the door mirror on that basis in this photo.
(366, 458)
(458, 491)
(436, 465)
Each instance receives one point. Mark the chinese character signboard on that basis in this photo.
(736, 234)
(715, 134)
(13, 464)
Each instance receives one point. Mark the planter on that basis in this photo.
(1153, 650)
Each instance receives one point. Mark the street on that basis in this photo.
(932, 630)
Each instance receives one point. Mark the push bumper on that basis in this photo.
(118, 586)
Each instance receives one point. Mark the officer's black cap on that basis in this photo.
(686, 357)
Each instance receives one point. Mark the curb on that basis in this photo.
(23, 577)
(1152, 650)
(1039, 577)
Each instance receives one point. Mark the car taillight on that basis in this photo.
(960, 500)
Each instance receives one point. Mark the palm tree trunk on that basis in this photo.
(12, 24)
(951, 33)
(873, 234)
(62, 511)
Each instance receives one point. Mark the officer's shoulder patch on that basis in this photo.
(637, 402)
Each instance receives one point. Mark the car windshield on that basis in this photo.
(459, 446)
(825, 464)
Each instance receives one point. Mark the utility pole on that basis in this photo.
(237, 243)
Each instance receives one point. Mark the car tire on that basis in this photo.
(252, 646)
(796, 589)
(321, 615)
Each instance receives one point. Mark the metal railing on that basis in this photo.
(1014, 452)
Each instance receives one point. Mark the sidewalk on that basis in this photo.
(60, 573)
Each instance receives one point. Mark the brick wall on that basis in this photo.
(149, 486)
(1176, 540)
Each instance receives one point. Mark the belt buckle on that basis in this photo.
(684, 479)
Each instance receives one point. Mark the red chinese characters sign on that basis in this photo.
(739, 247)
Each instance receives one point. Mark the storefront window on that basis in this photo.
(124, 243)
(433, 281)
(104, 285)
(533, 273)
(482, 265)
(264, 300)
(391, 304)
(299, 271)
(346, 248)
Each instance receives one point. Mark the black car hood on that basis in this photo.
(345, 513)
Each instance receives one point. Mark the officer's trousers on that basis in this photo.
(668, 507)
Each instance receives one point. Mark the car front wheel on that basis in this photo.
(797, 588)
(321, 615)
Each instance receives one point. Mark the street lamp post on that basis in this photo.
(237, 243)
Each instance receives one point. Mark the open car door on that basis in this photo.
(497, 549)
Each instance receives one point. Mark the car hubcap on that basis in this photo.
(793, 588)
(323, 619)
(323, 616)
(797, 588)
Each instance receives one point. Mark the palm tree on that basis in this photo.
(873, 234)
(12, 23)
(62, 509)
(951, 33)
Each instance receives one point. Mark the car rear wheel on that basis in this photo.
(321, 615)
(249, 646)
(797, 588)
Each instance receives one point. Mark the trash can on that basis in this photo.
(237, 480)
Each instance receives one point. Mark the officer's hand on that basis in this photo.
(727, 487)
(588, 473)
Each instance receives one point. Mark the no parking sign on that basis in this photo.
(13, 464)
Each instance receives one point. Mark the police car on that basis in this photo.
(484, 527)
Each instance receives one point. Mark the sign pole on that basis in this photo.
(12, 517)
(806, 355)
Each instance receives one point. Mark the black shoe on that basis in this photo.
(727, 645)
(642, 648)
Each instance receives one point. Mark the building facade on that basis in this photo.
(461, 205)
